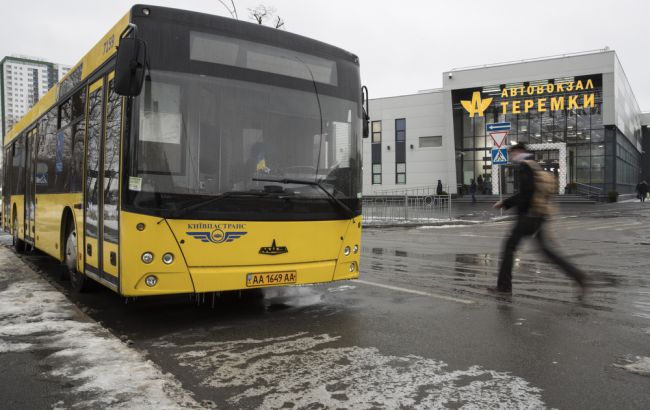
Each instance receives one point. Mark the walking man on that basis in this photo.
(642, 189)
(533, 207)
(472, 190)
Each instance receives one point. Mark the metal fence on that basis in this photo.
(417, 204)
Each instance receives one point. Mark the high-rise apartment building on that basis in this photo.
(23, 81)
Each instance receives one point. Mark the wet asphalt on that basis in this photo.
(421, 298)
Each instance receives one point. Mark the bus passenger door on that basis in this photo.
(102, 183)
(111, 184)
(92, 184)
(30, 150)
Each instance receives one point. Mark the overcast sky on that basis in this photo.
(404, 46)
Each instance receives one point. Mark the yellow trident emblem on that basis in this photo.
(477, 105)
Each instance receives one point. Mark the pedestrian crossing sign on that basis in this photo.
(499, 156)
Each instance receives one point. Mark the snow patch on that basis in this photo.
(305, 371)
(298, 296)
(14, 347)
(342, 288)
(640, 366)
(105, 372)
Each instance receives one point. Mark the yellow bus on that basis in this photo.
(191, 153)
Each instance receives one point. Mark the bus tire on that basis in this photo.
(19, 244)
(78, 280)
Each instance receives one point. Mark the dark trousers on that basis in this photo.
(528, 226)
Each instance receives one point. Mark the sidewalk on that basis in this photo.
(54, 356)
(467, 213)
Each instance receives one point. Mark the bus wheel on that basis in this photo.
(78, 280)
(19, 245)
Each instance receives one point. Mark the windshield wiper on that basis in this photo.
(337, 202)
(204, 202)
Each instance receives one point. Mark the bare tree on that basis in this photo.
(279, 23)
(233, 12)
(262, 13)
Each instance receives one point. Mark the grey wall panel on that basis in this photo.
(595, 63)
(627, 108)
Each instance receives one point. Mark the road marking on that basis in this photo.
(417, 292)
(610, 226)
(625, 227)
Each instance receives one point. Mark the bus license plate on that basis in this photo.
(270, 279)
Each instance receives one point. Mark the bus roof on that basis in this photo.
(107, 46)
(102, 51)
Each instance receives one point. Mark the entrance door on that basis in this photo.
(101, 199)
(508, 179)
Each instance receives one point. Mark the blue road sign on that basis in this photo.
(499, 156)
(498, 126)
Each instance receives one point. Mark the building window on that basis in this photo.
(376, 173)
(376, 132)
(400, 173)
(376, 152)
(400, 151)
(427, 142)
(400, 129)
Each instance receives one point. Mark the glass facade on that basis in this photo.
(561, 110)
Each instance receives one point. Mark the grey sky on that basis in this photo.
(404, 46)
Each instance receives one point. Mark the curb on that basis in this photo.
(418, 224)
(454, 222)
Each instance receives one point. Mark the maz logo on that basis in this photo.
(273, 249)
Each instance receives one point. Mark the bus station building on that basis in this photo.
(576, 112)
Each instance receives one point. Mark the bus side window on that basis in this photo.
(67, 174)
(78, 131)
(18, 172)
(65, 113)
(5, 187)
(45, 157)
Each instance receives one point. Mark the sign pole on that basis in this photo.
(499, 134)
(500, 191)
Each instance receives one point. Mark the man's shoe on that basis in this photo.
(582, 292)
(498, 291)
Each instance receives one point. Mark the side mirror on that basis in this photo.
(366, 111)
(366, 125)
(130, 66)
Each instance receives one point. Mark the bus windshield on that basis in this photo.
(229, 143)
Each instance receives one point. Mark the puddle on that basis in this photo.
(640, 366)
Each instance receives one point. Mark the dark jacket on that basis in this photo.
(642, 188)
(522, 199)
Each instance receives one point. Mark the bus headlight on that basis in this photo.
(168, 258)
(151, 281)
(147, 257)
(353, 267)
(356, 248)
(346, 251)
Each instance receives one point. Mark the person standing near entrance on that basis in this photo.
(533, 205)
(439, 188)
(642, 190)
(472, 190)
